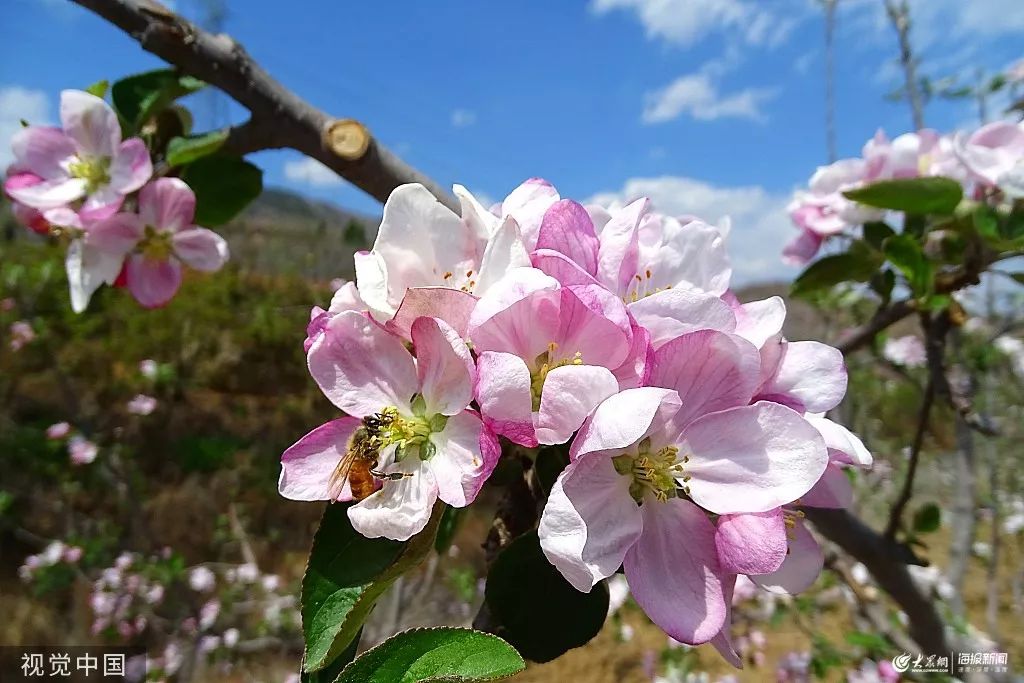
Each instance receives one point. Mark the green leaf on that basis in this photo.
(927, 518)
(933, 195)
(138, 97)
(224, 185)
(343, 566)
(537, 610)
(185, 150)
(883, 282)
(857, 266)
(450, 519)
(435, 654)
(346, 574)
(329, 673)
(875, 233)
(905, 252)
(99, 88)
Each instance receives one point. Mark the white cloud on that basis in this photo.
(310, 172)
(760, 225)
(17, 103)
(697, 96)
(686, 22)
(462, 118)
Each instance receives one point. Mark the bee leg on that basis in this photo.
(390, 476)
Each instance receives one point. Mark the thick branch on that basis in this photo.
(279, 117)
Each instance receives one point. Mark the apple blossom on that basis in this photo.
(141, 405)
(907, 351)
(433, 445)
(85, 159)
(58, 430)
(201, 579)
(21, 334)
(82, 450)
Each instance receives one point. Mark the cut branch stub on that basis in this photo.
(347, 138)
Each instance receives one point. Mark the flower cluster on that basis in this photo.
(56, 552)
(693, 429)
(989, 163)
(81, 450)
(85, 185)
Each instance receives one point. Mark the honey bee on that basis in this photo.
(358, 465)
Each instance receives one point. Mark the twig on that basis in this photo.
(279, 118)
(243, 539)
(899, 15)
(896, 513)
(883, 318)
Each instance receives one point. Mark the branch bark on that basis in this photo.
(279, 118)
(899, 15)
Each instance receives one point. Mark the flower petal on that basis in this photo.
(801, 567)
(759, 321)
(519, 314)
(88, 268)
(48, 194)
(843, 445)
(752, 459)
(503, 393)
(116, 235)
(567, 228)
(201, 249)
(527, 204)
(752, 543)
(673, 312)
(360, 367)
(466, 454)
(709, 370)
(811, 377)
(444, 367)
(617, 255)
(723, 641)
(693, 253)
(307, 465)
(152, 282)
(167, 204)
(624, 419)
(570, 393)
(43, 151)
(589, 522)
(131, 167)
(401, 508)
(833, 490)
(674, 574)
(90, 122)
(504, 251)
(802, 248)
(450, 305)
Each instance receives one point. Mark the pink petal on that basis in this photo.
(624, 419)
(467, 452)
(709, 370)
(802, 248)
(201, 249)
(450, 305)
(569, 395)
(567, 228)
(504, 251)
(360, 367)
(617, 255)
(589, 522)
(595, 323)
(801, 567)
(503, 393)
(752, 459)
(90, 122)
(692, 254)
(759, 321)
(723, 641)
(167, 204)
(678, 583)
(843, 445)
(635, 370)
(307, 465)
(103, 203)
(833, 490)
(131, 167)
(444, 367)
(673, 312)
(561, 267)
(43, 151)
(401, 508)
(753, 543)
(811, 376)
(518, 315)
(153, 283)
(527, 204)
(115, 235)
(88, 268)
(48, 194)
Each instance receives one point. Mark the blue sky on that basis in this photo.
(710, 106)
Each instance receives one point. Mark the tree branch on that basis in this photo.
(884, 317)
(279, 118)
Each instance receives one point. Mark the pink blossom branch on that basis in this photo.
(279, 118)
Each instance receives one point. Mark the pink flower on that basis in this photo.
(416, 412)
(72, 554)
(907, 351)
(162, 238)
(141, 405)
(58, 430)
(618, 502)
(21, 334)
(992, 151)
(346, 298)
(208, 614)
(548, 354)
(82, 450)
(84, 159)
(201, 580)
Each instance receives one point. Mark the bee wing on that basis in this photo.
(336, 484)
